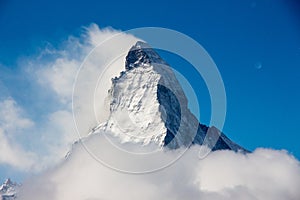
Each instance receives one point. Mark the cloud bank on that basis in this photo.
(41, 88)
(223, 175)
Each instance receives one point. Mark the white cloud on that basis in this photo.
(12, 124)
(11, 116)
(83, 66)
(263, 175)
(50, 77)
(59, 76)
(13, 155)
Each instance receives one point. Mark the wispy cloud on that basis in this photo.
(12, 124)
(41, 86)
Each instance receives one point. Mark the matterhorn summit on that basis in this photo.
(148, 106)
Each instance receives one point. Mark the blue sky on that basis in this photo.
(255, 44)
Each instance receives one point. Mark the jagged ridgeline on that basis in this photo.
(148, 105)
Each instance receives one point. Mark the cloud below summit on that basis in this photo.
(263, 175)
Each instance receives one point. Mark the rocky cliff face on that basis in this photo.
(148, 105)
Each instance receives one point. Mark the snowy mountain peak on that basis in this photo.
(142, 54)
(148, 105)
(8, 190)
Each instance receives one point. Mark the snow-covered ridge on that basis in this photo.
(140, 54)
(8, 190)
(148, 106)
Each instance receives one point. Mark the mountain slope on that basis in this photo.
(148, 105)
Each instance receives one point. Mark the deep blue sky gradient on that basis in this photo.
(255, 44)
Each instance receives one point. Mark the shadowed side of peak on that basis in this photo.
(150, 92)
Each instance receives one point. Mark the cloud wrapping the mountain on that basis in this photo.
(42, 88)
(264, 174)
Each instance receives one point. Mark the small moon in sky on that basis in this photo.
(258, 65)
